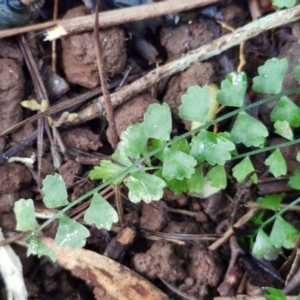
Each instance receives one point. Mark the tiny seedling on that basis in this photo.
(192, 163)
(282, 234)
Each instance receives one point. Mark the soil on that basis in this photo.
(164, 243)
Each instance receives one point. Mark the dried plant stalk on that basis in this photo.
(112, 18)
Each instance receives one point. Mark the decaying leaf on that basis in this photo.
(110, 279)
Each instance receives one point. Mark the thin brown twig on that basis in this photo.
(230, 232)
(239, 195)
(106, 96)
(13, 238)
(114, 17)
(54, 58)
(39, 87)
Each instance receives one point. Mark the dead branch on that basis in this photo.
(114, 17)
(103, 80)
(230, 232)
(205, 52)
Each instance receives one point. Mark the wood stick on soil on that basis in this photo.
(205, 52)
(113, 17)
(230, 232)
(106, 96)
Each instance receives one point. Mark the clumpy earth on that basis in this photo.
(168, 242)
(79, 56)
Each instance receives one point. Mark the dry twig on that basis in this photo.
(106, 96)
(114, 17)
(230, 232)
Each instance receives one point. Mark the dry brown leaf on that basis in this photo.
(110, 279)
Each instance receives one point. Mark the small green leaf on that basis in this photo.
(143, 186)
(207, 190)
(275, 294)
(181, 145)
(284, 3)
(158, 122)
(233, 90)
(242, 169)
(271, 76)
(147, 161)
(178, 164)
(271, 201)
(227, 136)
(195, 104)
(298, 156)
(295, 180)
(217, 177)
(100, 213)
(249, 131)
(176, 186)
(263, 248)
(106, 171)
(196, 182)
(283, 234)
(25, 214)
(133, 141)
(277, 164)
(258, 218)
(38, 248)
(283, 128)
(70, 233)
(286, 110)
(121, 158)
(156, 144)
(297, 73)
(212, 147)
(55, 192)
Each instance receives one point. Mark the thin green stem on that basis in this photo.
(257, 151)
(279, 213)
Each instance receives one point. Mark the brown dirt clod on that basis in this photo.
(159, 261)
(79, 55)
(69, 170)
(154, 216)
(81, 139)
(11, 92)
(13, 178)
(206, 268)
